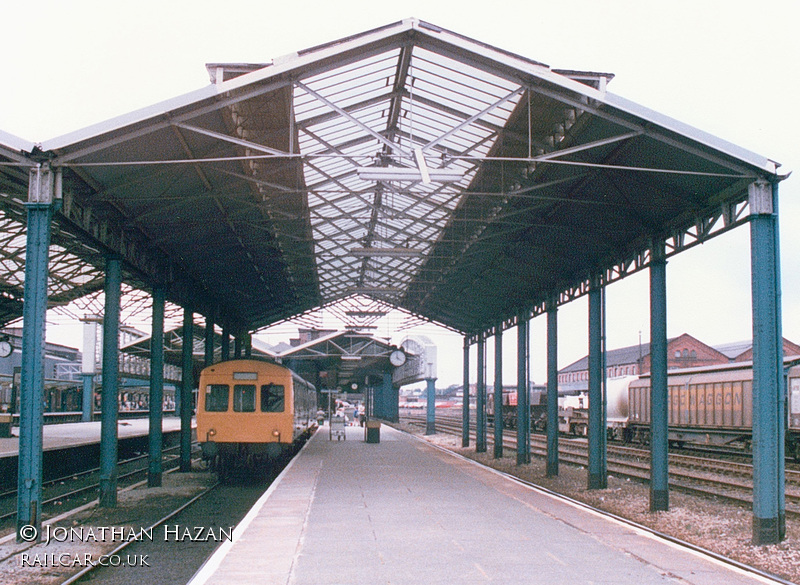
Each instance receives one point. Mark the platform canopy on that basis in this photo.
(463, 183)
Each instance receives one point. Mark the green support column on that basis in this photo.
(238, 348)
(768, 409)
(88, 366)
(480, 399)
(154, 470)
(523, 393)
(109, 397)
(41, 192)
(597, 397)
(465, 399)
(659, 398)
(187, 383)
(393, 398)
(498, 392)
(226, 345)
(552, 389)
(209, 347)
(430, 418)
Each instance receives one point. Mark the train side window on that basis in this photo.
(272, 398)
(217, 398)
(244, 398)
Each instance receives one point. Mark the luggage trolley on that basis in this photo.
(337, 428)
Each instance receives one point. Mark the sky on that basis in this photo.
(728, 68)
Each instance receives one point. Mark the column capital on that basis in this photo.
(759, 196)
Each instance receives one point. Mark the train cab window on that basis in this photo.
(244, 398)
(216, 398)
(272, 398)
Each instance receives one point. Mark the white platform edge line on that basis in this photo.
(589, 509)
(212, 563)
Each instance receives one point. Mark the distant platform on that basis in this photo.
(68, 435)
(404, 512)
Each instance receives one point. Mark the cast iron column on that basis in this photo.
(597, 399)
(465, 394)
(109, 397)
(226, 345)
(187, 383)
(523, 393)
(41, 191)
(480, 400)
(552, 389)
(768, 441)
(209, 348)
(156, 386)
(498, 392)
(88, 366)
(430, 418)
(659, 392)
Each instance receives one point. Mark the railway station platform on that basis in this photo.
(402, 511)
(69, 435)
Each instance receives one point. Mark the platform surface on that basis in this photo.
(403, 512)
(61, 436)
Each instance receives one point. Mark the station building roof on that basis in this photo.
(410, 164)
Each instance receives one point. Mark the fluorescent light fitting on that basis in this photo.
(388, 252)
(374, 290)
(422, 166)
(352, 358)
(408, 174)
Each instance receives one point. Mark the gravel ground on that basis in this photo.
(717, 526)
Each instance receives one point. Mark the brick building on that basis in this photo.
(683, 351)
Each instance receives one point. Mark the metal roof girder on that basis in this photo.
(474, 117)
(353, 119)
(644, 130)
(233, 140)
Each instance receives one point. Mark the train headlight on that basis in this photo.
(211, 433)
(277, 434)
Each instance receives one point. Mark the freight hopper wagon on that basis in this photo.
(712, 406)
(250, 413)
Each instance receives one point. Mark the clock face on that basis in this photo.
(397, 358)
(5, 349)
(354, 386)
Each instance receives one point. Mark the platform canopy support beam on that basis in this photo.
(154, 469)
(187, 382)
(659, 398)
(552, 389)
(597, 399)
(465, 397)
(480, 399)
(523, 393)
(430, 418)
(109, 397)
(42, 194)
(769, 511)
(498, 393)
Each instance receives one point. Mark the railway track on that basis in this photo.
(698, 475)
(59, 494)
